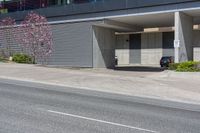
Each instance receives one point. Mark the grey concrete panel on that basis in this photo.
(122, 51)
(196, 55)
(196, 38)
(184, 34)
(168, 52)
(168, 40)
(151, 41)
(151, 48)
(135, 49)
(103, 47)
(168, 43)
(196, 45)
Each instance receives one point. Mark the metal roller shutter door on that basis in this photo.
(72, 45)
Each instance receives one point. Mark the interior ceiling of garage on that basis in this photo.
(156, 20)
(195, 14)
(148, 21)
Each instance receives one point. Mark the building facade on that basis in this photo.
(91, 33)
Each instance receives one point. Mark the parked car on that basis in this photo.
(166, 60)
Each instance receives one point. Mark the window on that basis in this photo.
(20, 5)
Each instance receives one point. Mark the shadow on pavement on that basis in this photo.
(139, 68)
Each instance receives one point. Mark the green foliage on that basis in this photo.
(173, 66)
(189, 66)
(22, 58)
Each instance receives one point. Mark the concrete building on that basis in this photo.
(90, 33)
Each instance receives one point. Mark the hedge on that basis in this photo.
(189, 66)
(22, 58)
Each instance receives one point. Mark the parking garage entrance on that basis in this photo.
(143, 48)
(145, 39)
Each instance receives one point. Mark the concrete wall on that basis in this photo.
(103, 47)
(168, 43)
(147, 48)
(151, 48)
(196, 51)
(122, 49)
(196, 45)
(135, 49)
(184, 34)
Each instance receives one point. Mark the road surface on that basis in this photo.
(35, 108)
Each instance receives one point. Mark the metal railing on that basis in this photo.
(7, 6)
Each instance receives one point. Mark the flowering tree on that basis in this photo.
(35, 36)
(6, 33)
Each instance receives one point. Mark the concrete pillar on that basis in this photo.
(103, 47)
(183, 37)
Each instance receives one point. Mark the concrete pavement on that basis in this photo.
(157, 85)
(34, 108)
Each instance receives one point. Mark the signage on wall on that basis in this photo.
(176, 43)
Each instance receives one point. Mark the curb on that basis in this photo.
(182, 75)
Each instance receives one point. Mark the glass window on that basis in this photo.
(19, 5)
(84, 1)
(58, 2)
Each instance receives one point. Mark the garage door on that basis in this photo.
(72, 44)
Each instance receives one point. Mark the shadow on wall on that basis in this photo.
(104, 47)
(140, 69)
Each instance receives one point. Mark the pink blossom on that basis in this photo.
(35, 37)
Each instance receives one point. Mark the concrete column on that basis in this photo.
(183, 37)
(103, 47)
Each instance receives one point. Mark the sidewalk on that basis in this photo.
(158, 85)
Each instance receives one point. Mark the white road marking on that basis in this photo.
(101, 121)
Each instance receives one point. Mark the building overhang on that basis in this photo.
(155, 22)
(119, 26)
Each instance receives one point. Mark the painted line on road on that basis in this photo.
(101, 121)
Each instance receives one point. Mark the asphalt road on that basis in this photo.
(35, 108)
